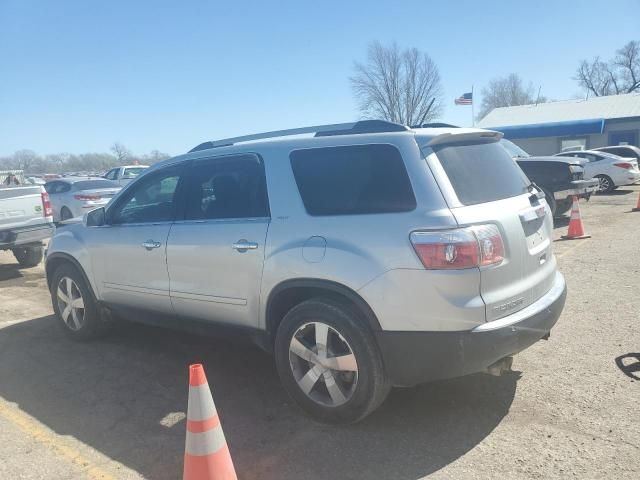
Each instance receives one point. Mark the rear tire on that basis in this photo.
(606, 184)
(311, 338)
(65, 214)
(29, 256)
(563, 206)
(75, 306)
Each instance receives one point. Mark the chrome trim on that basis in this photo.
(551, 296)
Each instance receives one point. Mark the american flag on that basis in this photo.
(464, 99)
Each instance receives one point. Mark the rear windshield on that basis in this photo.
(133, 172)
(352, 180)
(481, 172)
(91, 184)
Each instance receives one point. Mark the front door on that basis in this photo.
(129, 252)
(216, 253)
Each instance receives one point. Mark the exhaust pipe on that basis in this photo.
(501, 367)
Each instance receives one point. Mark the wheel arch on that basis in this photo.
(289, 293)
(57, 259)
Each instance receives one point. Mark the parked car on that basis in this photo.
(561, 179)
(611, 171)
(73, 197)
(366, 256)
(125, 174)
(25, 218)
(629, 151)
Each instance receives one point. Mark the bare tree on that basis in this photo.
(619, 75)
(507, 92)
(401, 86)
(121, 152)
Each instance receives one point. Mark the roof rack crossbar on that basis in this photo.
(363, 126)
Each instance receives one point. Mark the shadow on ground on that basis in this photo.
(113, 395)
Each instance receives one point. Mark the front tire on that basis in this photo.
(29, 256)
(329, 362)
(75, 306)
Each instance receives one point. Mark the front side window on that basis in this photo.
(357, 179)
(227, 187)
(111, 175)
(151, 200)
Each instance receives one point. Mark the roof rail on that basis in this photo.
(435, 125)
(354, 128)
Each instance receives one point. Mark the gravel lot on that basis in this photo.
(115, 408)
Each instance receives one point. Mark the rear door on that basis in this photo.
(483, 185)
(215, 254)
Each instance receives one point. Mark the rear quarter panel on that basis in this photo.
(353, 250)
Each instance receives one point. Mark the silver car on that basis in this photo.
(364, 256)
(73, 197)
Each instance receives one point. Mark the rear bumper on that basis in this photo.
(22, 236)
(580, 188)
(411, 358)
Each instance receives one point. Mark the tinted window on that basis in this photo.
(151, 200)
(91, 184)
(133, 172)
(232, 187)
(481, 172)
(352, 180)
(57, 187)
(111, 175)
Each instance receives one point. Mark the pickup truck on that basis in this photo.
(26, 218)
(559, 179)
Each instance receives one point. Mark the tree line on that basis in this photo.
(404, 85)
(31, 162)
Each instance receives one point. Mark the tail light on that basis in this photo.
(87, 197)
(459, 248)
(46, 205)
(625, 165)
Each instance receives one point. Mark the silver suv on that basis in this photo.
(364, 256)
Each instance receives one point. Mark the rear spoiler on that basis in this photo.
(465, 135)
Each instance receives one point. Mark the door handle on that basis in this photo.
(243, 245)
(151, 244)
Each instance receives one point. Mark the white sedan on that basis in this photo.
(611, 170)
(74, 196)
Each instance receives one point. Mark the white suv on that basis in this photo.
(365, 256)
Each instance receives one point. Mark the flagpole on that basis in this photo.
(473, 122)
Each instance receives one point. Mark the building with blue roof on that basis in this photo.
(549, 128)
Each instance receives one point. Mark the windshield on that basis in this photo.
(481, 172)
(514, 150)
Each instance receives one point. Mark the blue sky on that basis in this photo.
(76, 76)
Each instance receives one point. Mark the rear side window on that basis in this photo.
(352, 180)
(227, 187)
(481, 172)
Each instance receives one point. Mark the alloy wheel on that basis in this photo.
(604, 184)
(70, 303)
(323, 364)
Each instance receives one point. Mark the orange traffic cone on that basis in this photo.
(576, 229)
(637, 209)
(206, 455)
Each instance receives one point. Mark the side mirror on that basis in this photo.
(95, 218)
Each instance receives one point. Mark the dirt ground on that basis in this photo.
(115, 408)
